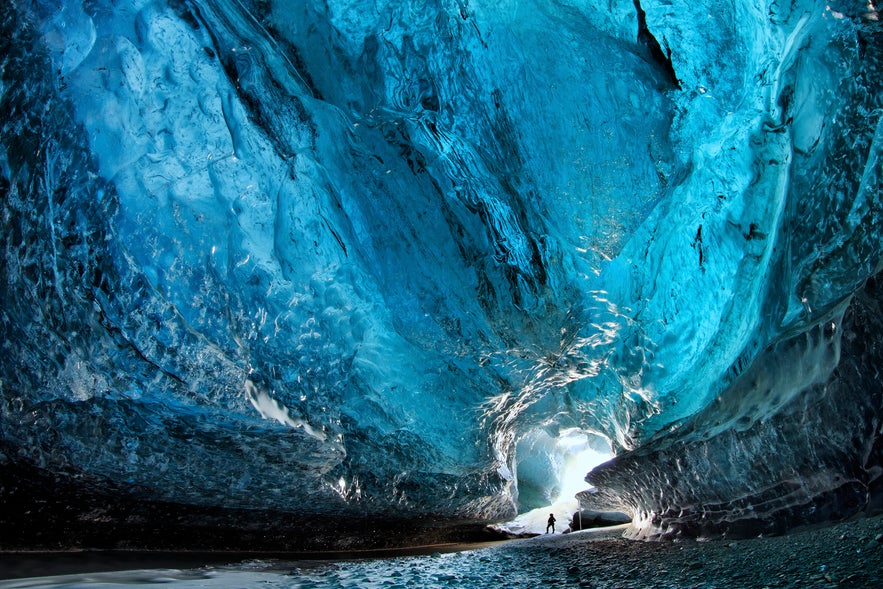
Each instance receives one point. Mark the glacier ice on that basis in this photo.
(378, 259)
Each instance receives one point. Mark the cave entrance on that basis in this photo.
(550, 471)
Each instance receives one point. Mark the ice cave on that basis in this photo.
(392, 271)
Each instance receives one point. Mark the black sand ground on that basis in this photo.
(845, 555)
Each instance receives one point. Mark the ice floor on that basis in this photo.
(846, 555)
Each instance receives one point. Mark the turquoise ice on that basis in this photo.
(377, 258)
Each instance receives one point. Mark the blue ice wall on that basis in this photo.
(346, 256)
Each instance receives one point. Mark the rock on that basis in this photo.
(587, 518)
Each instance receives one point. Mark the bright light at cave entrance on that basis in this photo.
(573, 475)
(577, 458)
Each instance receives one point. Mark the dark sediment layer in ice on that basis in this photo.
(69, 512)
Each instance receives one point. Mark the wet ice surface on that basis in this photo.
(845, 555)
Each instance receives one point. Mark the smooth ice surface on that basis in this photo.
(369, 258)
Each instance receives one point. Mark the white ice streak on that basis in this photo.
(272, 409)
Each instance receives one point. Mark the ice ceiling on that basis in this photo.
(370, 257)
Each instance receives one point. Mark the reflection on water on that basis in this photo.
(511, 564)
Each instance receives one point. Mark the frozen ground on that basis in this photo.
(845, 555)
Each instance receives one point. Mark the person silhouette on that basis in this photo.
(551, 523)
